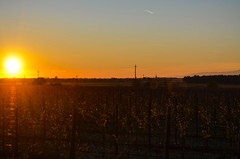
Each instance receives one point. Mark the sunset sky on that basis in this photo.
(106, 38)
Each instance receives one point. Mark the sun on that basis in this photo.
(13, 66)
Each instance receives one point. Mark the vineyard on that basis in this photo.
(125, 122)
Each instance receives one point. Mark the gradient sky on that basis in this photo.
(106, 38)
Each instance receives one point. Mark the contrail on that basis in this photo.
(149, 11)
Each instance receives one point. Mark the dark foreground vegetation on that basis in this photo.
(127, 122)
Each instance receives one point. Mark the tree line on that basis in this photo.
(219, 79)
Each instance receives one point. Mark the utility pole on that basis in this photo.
(135, 71)
(38, 73)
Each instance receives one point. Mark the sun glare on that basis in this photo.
(13, 66)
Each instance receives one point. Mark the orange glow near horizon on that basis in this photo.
(23, 64)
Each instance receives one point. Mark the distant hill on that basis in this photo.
(236, 72)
